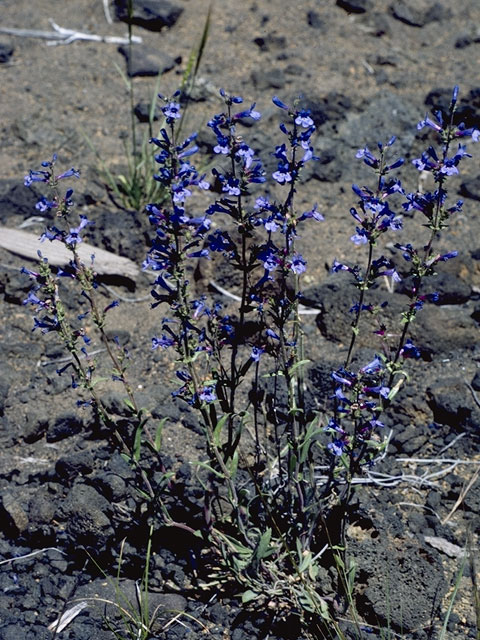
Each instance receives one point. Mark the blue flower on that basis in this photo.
(372, 367)
(207, 395)
(164, 342)
(71, 173)
(336, 447)
(409, 350)
(256, 353)
(298, 264)
(171, 111)
(303, 118)
(276, 101)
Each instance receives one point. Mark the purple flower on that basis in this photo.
(207, 395)
(313, 213)
(336, 447)
(283, 174)
(276, 101)
(256, 353)
(271, 226)
(298, 264)
(164, 342)
(303, 118)
(44, 205)
(367, 156)
(409, 350)
(36, 176)
(71, 173)
(249, 113)
(372, 367)
(73, 237)
(171, 111)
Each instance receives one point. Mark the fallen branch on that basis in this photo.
(60, 35)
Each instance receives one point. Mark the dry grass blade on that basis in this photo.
(67, 616)
(462, 495)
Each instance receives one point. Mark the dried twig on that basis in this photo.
(106, 11)
(60, 35)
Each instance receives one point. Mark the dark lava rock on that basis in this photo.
(385, 115)
(406, 569)
(444, 329)
(450, 403)
(16, 286)
(4, 387)
(271, 42)
(407, 13)
(476, 381)
(73, 465)
(330, 108)
(410, 439)
(13, 519)
(35, 424)
(42, 506)
(14, 197)
(149, 14)
(450, 289)
(147, 61)
(142, 111)
(88, 522)
(64, 426)
(335, 298)
(468, 107)
(355, 6)
(6, 52)
(325, 169)
(269, 79)
(315, 21)
(471, 188)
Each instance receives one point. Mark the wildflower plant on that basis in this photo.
(268, 516)
(52, 316)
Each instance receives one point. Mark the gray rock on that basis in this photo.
(149, 14)
(6, 52)
(471, 188)
(271, 79)
(406, 569)
(443, 329)
(450, 402)
(64, 426)
(386, 115)
(86, 512)
(147, 61)
(450, 288)
(12, 514)
(408, 13)
(35, 424)
(355, 6)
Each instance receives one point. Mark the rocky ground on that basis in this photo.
(367, 69)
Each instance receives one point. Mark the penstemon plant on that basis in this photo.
(268, 516)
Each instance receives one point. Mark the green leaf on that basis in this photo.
(207, 466)
(306, 562)
(298, 364)
(248, 596)
(129, 404)
(158, 435)
(218, 429)
(263, 547)
(233, 465)
(137, 443)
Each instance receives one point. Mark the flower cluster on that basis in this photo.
(180, 237)
(360, 397)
